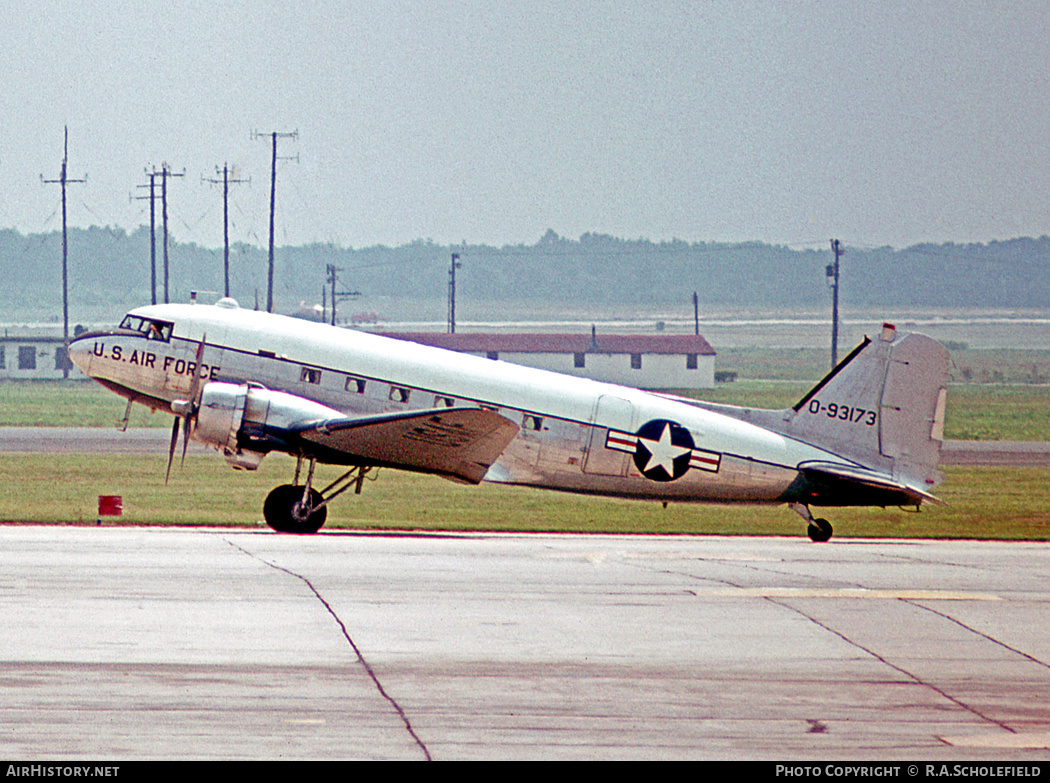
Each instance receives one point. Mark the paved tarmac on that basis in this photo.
(88, 440)
(124, 643)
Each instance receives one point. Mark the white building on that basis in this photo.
(35, 357)
(642, 361)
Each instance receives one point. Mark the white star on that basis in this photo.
(663, 453)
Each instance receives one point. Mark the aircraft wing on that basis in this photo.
(457, 443)
(832, 484)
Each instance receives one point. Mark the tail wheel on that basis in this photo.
(284, 510)
(819, 530)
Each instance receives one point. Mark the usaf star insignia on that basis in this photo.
(663, 450)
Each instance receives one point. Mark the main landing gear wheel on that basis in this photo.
(285, 513)
(819, 530)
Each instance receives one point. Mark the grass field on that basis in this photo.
(1001, 503)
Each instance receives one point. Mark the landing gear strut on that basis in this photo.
(819, 530)
(299, 508)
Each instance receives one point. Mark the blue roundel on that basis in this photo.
(664, 450)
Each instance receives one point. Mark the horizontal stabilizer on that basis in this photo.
(833, 484)
(457, 443)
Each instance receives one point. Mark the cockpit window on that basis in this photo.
(151, 328)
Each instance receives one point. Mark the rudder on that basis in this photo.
(882, 406)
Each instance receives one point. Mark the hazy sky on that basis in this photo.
(890, 122)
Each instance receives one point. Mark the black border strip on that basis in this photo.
(827, 378)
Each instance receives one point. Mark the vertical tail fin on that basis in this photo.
(883, 406)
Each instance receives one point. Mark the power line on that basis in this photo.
(226, 182)
(333, 280)
(64, 180)
(452, 292)
(152, 233)
(833, 281)
(274, 135)
(164, 173)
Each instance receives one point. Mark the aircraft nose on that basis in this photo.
(80, 351)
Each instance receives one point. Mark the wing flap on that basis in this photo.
(457, 443)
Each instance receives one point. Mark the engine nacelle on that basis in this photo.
(231, 415)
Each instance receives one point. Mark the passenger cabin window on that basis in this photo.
(443, 402)
(310, 375)
(530, 422)
(356, 385)
(150, 328)
(399, 394)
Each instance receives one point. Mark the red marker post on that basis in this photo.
(109, 506)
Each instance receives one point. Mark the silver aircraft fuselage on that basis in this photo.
(573, 434)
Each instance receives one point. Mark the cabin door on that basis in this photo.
(610, 414)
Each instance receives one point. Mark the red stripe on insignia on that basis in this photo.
(706, 460)
(621, 441)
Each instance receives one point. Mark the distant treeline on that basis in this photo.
(110, 267)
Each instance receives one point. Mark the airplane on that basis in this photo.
(248, 383)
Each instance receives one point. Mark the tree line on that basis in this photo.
(111, 267)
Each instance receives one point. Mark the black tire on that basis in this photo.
(279, 510)
(819, 530)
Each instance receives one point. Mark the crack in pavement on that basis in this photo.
(982, 634)
(911, 602)
(963, 705)
(353, 646)
(784, 604)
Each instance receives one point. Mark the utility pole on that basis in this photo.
(833, 281)
(226, 182)
(64, 180)
(274, 135)
(696, 314)
(333, 280)
(164, 173)
(152, 233)
(452, 292)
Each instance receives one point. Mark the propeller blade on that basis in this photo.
(171, 448)
(185, 410)
(191, 406)
(185, 437)
(195, 381)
